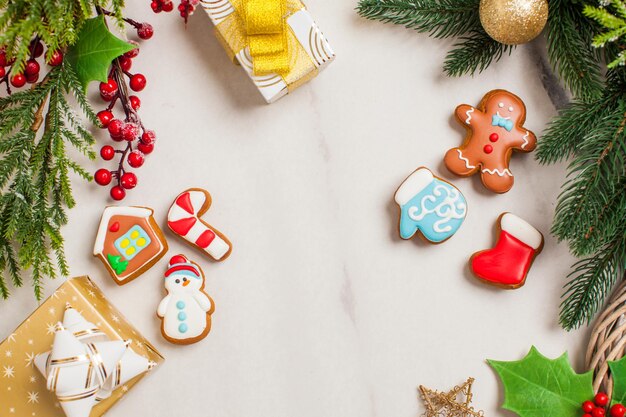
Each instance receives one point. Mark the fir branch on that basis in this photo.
(591, 281)
(570, 52)
(614, 25)
(594, 175)
(568, 130)
(34, 174)
(439, 18)
(474, 53)
(55, 23)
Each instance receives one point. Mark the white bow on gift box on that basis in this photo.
(84, 366)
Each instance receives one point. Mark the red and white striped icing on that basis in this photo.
(183, 219)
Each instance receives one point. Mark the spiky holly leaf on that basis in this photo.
(537, 386)
(618, 372)
(96, 47)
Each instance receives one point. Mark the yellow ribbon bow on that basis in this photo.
(266, 29)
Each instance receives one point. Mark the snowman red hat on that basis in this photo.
(179, 264)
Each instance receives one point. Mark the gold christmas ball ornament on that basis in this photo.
(513, 22)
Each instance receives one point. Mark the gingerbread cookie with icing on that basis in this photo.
(506, 265)
(186, 309)
(430, 206)
(184, 219)
(129, 242)
(494, 130)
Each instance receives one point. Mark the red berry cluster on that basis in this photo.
(185, 8)
(31, 71)
(136, 141)
(597, 407)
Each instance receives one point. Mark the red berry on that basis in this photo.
(108, 90)
(125, 63)
(598, 412)
(32, 67)
(137, 82)
(133, 52)
(168, 6)
(587, 415)
(145, 31)
(115, 129)
(36, 48)
(148, 137)
(102, 176)
(18, 80)
(55, 59)
(128, 181)
(588, 406)
(601, 399)
(118, 193)
(135, 103)
(3, 72)
(107, 152)
(3, 59)
(145, 148)
(105, 117)
(618, 410)
(130, 131)
(135, 159)
(31, 79)
(155, 7)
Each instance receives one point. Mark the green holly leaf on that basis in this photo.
(537, 386)
(116, 262)
(618, 371)
(92, 54)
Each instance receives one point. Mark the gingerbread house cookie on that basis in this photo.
(129, 242)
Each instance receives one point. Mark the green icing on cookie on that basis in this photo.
(116, 262)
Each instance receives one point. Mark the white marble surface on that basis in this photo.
(321, 309)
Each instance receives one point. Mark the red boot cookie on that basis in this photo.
(507, 264)
(494, 130)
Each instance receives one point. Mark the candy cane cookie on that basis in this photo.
(184, 220)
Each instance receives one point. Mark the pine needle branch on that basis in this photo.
(591, 281)
(34, 174)
(474, 53)
(439, 18)
(56, 23)
(569, 48)
(614, 26)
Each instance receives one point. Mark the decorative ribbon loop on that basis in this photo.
(266, 30)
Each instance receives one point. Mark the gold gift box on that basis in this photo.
(309, 51)
(23, 389)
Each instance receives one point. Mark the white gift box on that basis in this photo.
(309, 50)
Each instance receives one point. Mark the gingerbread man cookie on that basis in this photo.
(494, 130)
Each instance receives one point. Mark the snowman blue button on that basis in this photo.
(430, 205)
(183, 328)
(182, 316)
(180, 305)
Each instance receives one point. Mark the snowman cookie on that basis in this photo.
(186, 309)
(494, 130)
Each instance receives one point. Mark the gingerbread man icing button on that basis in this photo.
(494, 130)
